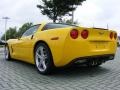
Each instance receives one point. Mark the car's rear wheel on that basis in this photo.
(43, 58)
(7, 53)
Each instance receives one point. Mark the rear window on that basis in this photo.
(55, 25)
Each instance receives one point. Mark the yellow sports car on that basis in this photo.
(50, 45)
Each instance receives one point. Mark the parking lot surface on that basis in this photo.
(17, 75)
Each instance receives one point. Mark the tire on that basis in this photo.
(7, 53)
(43, 59)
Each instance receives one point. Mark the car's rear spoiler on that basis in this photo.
(100, 28)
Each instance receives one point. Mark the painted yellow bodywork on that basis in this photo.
(65, 49)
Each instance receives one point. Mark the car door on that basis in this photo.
(25, 44)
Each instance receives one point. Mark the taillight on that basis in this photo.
(115, 35)
(74, 33)
(111, 35)
(84, 34)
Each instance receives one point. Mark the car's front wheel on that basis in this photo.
(43, 58)
(7, 53)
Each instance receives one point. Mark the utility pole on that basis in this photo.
(5, 50)
(72, 17)
(6, 19)
(0, 35)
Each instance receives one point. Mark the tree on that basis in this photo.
(11, 33)
(54, 9)
(23, 28)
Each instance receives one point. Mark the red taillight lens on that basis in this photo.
(84, 34)
(111, 35)
(74, 33)
(115, 35)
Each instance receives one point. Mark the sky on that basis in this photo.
(97, 13)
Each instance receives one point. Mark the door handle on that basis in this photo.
(32, 36)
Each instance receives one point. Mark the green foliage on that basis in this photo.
(54, 9)
(23, 28)
(10, 34)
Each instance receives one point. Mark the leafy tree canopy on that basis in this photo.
(10, 33)
(54, 9)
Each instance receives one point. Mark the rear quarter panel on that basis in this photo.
(56, 45)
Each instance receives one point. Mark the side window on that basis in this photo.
(47, 26)
(31, 31)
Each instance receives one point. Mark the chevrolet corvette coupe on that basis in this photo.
(50, 45)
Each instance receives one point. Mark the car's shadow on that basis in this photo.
(72, 71)
(81, 71)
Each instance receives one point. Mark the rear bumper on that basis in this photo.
(105, 57)
(81, 60)
(101, 58)
(82, 49)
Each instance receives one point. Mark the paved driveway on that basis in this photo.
(16, 75)
(1, 50)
